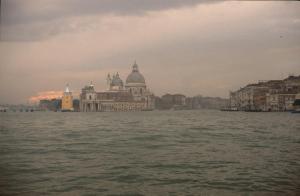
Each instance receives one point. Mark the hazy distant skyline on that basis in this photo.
(189, 47)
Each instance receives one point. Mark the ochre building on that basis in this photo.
(67, 100)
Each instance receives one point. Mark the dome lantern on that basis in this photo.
(135, 76)
(135, 67)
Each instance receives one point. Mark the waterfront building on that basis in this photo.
(76, 104)
(167, 101)
(273, 95)
(50, 105)
(67, 100)
(175, 101)
(296, 103)
(133, 96)
(179, 101)
(200, 102)
(3, 109)
(280, 101)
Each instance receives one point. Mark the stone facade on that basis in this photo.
(175, 101)
(199, 102)
(273, 95)
(296, 104)
(134, 96)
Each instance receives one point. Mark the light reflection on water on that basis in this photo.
(156, 153)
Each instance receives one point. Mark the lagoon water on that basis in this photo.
(201, 152)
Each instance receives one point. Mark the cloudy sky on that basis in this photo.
(181, 46)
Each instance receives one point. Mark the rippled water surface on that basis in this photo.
(150, 153)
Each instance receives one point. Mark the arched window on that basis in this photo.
(90, 97)
(141, 90)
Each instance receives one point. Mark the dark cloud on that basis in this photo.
(22, 12)
(33, 20)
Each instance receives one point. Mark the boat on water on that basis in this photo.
(229, 109)
(147, 109)
(296, 111)
(67, 110)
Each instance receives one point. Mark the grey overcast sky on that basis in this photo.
(181, 46)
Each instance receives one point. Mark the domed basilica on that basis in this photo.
(134, 96)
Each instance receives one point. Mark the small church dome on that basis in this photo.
(116, 81)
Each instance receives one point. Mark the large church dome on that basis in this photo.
(135, 76)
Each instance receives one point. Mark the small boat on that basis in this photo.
(147, 110)
(64, 110)
(295, 111)
(229, 110)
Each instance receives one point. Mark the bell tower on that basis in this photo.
(67, 100)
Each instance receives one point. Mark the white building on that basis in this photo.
(133, 97)
(273, 95)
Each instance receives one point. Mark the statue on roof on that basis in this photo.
(108, 79)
